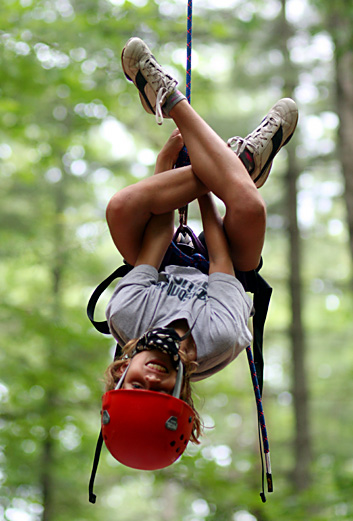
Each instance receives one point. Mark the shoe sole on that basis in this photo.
(140, 82)
(265, 171)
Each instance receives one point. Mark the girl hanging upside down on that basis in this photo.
(203, 317)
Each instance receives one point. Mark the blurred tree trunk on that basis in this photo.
(56, 269)
(46, 477)
(302, 440)
(344, 108)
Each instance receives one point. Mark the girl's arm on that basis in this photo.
(168, 156)
(156, 239)
(160, 228)
(216, 240)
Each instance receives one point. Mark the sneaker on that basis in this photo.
(153, 83)
(259, 148)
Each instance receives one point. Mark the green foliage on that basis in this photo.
(70, 136)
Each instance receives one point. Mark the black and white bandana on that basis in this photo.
(165, 339)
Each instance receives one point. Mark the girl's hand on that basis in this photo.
(168, 156)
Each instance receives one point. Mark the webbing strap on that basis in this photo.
(262, 295)
(92, 496)
(102, 326)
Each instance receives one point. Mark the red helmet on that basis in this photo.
(145, 430)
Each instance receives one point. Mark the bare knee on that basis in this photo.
(248, 205)
(245, 225)
(253, 216)
(122, 206)
(256, 211)
(114, 208)
(127, 217)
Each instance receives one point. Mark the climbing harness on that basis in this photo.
(169, 420)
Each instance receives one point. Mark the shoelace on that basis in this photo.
(254, 140)
(164, 86)
(161, 96)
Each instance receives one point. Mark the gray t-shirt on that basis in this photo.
(216, 307)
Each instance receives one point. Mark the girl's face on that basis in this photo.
(152, 371)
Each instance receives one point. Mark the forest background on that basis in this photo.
(72, 133)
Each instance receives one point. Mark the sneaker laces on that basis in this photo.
(161, 97)
(164, 85)
(256, 139)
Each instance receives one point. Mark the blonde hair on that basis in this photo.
(113, 375)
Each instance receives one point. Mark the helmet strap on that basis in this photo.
(121, 380)
(179, 380)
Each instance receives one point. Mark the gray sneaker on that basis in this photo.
(259, 148)
(153, 83)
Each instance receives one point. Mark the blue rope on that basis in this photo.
(258, 400)
(183, 159)
(262, 423)
(188, 51)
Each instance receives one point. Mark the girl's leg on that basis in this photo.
(222, 172)
(214, 166)
(131, 209)
(134, 207)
